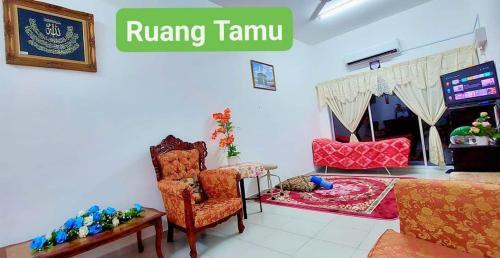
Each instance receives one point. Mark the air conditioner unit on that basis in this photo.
(373, 53)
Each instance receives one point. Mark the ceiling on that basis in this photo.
(357, 14)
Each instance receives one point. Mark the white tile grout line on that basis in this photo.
(307, 242)
(330, 220)
(366, 237)
(278, 229)
(258, 245)
(357, 247)
(298, 209)
(314, 237)
(310, 238)
(335, 243)
(293, 217)
(282, 230)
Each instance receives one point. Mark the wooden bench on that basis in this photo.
(150, 217)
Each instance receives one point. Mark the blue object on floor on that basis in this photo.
(321, 183)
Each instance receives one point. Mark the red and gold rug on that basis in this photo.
(363, 196)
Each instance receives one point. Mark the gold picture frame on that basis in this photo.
(67, 41)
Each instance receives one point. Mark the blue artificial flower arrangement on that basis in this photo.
(90, 222)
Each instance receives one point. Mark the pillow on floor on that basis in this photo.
(299, 184)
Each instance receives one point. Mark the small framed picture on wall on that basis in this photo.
(46, 35)
(263, 75)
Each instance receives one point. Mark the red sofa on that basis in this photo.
(363, 155)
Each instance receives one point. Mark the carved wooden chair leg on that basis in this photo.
(241, 227)
(191, 237)
(170, 232)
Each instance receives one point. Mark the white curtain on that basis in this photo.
(348, 99)
(350, 113)
(417, 83)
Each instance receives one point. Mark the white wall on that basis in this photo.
(430, 22)
(71, 139)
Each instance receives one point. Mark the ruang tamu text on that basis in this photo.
(196, 33)
(204, 29)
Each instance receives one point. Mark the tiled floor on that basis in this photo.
(284, 232)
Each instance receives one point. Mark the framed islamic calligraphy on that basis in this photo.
(45, 35)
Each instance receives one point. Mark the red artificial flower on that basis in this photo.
(230, 139)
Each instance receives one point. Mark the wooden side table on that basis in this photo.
(150, 217)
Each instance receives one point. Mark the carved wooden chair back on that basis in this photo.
(171, 143)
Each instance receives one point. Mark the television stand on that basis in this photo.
(476, 104)
(476, 158)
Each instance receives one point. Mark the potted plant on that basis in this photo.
(226, 130)
(496, 137)
(462, 135)
(482, 129)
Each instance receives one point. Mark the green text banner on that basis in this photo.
(204, 29)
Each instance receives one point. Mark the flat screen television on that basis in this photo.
(474, 85)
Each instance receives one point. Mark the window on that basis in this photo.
(391, 118)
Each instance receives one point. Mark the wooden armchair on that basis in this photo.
(174, 160)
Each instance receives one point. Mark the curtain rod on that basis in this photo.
(477, 23)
